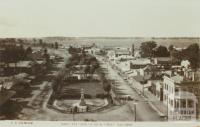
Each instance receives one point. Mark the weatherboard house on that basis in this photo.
(180, 98)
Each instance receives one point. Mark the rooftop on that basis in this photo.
(21, 75)
(185, 95)
(121, 51)
(177, 78)
(163, 58)
(22, 64)
(183, 81)
(140, 78)
(140, 61)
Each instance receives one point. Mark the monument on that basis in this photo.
(82, 100)
(81, 105)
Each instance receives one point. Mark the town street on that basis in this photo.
(143, 110)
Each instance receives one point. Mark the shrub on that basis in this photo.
(102, 96)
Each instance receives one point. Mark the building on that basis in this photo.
(164, 62)
(30, 67)
(181, 97)
(139, 63)
(111, 55)
(122, 52)
(156, 87)
(123, 66)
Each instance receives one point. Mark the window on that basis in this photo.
(177, 103)
(196, 92)
(181, 111)
(183, 103)
(191, 90)
(176, 90)
(172, 103)
(190, 103)
(164, 97)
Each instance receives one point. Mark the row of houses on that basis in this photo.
(177, 86)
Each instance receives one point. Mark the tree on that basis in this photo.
(92, 69)
(6, 57)
(87, 69)
(161, 51)
(41, 42)
(21, 52)
(29, 50)
(176, 56)
(20, 41)
(47, 57)
(147, 48)
(170, 48)
(192, 54)
(106, 86)
(73, 50)
(56, 45)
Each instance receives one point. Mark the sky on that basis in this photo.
(107, 18)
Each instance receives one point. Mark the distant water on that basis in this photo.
(123, 41)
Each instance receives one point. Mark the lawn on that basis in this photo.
(90, 88)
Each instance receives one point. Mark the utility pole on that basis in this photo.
(167, 108)
(73, 114)
(135, 111)
(143, 89)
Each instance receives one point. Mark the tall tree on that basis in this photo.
(56, 45)
(170, 48)
(29, 50)
(41, 42)
(161, 51)
(107, 86)
(21, 52)
(147, 48)
(192, 54)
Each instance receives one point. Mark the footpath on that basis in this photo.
(156, 104)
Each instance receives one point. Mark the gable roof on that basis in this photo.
(164, 59)
(140, 78)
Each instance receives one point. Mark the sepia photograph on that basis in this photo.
(112, 61)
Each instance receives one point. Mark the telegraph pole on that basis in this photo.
(135, 111)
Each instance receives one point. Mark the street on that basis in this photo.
(143, 110)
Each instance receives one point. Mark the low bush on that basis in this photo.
(102, 96)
